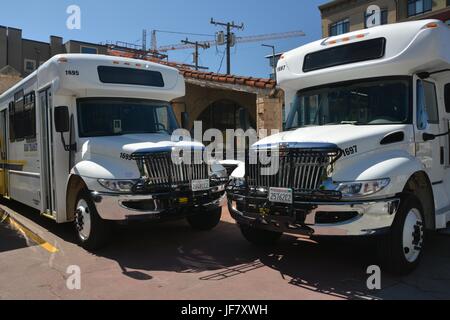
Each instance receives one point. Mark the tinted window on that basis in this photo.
(431, 104)
(362, 102)
(340, 27)
(110, 117)
(130, 76)
(383, 15)
(89, 50)
(447, 96)
(22, 117)
(416, 7)
(351, 53)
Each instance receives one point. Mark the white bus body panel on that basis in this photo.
(411, 47)
(65, 86)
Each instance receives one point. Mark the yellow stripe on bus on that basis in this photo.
(18, 162)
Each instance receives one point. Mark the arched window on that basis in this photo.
(223, 115)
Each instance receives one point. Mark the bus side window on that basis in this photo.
(447, 109)
(12, 136)
(22, 117)
(447, 97)
(427, 107)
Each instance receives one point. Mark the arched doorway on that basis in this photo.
(223, 115)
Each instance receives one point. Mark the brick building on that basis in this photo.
(342, 16)
(25, 55)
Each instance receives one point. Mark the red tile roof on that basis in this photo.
(187, 72)
(229, 79)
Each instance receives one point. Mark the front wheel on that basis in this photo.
(93, 232)
(205, 220)
(401, 250)
(260, 237)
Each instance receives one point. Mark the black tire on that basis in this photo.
(391, 248)
(206, 220)
(260, 237)
(100, 230)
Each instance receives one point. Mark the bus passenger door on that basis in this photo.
(46, 142)
(3, 154)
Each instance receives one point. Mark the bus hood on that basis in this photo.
(360, 138)
(126, 145)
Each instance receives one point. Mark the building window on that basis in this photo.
(340, 27)
(384, 17)
(89, 50)
(30, 65)
(416, 7)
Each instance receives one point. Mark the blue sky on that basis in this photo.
(114, 20)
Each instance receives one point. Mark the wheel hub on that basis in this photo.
(83, 219)
(413, 235)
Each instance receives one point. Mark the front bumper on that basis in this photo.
(161, 206)
(315, 218)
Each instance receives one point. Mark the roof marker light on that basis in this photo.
(116, 62)
(63, 60)
(431, 25)
(346, 39)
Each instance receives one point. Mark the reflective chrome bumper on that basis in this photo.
(121, 207)
(369, 218)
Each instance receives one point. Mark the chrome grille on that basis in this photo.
(301, 170)
(159, 170)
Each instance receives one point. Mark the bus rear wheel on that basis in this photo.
(93, 232)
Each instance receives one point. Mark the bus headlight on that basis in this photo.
(118, 185)
(362, 188)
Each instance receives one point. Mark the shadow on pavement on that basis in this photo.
(336, 268)
(10, 239)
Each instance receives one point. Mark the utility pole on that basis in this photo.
(197, 45)
(229, 38)
(273, 60)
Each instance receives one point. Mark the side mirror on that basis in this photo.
(243, 118)
(185, 120)
(62, 121)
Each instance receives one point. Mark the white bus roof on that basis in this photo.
(79, 75)
(410, 47)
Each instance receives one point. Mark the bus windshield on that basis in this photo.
(101, 117)
(362, 102)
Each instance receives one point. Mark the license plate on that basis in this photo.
(200, 185)
(281, 195)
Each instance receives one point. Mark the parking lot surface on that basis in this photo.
(170, 261)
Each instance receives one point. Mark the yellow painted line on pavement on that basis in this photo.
(28, 233)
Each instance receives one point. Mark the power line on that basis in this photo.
(221, 62)
(185, 33)
(230, 38)
(197, 46)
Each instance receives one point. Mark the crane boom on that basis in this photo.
(259, 38)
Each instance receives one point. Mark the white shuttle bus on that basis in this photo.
(366, 147)
(88, 138)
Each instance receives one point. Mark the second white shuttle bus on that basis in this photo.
(366, 150)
